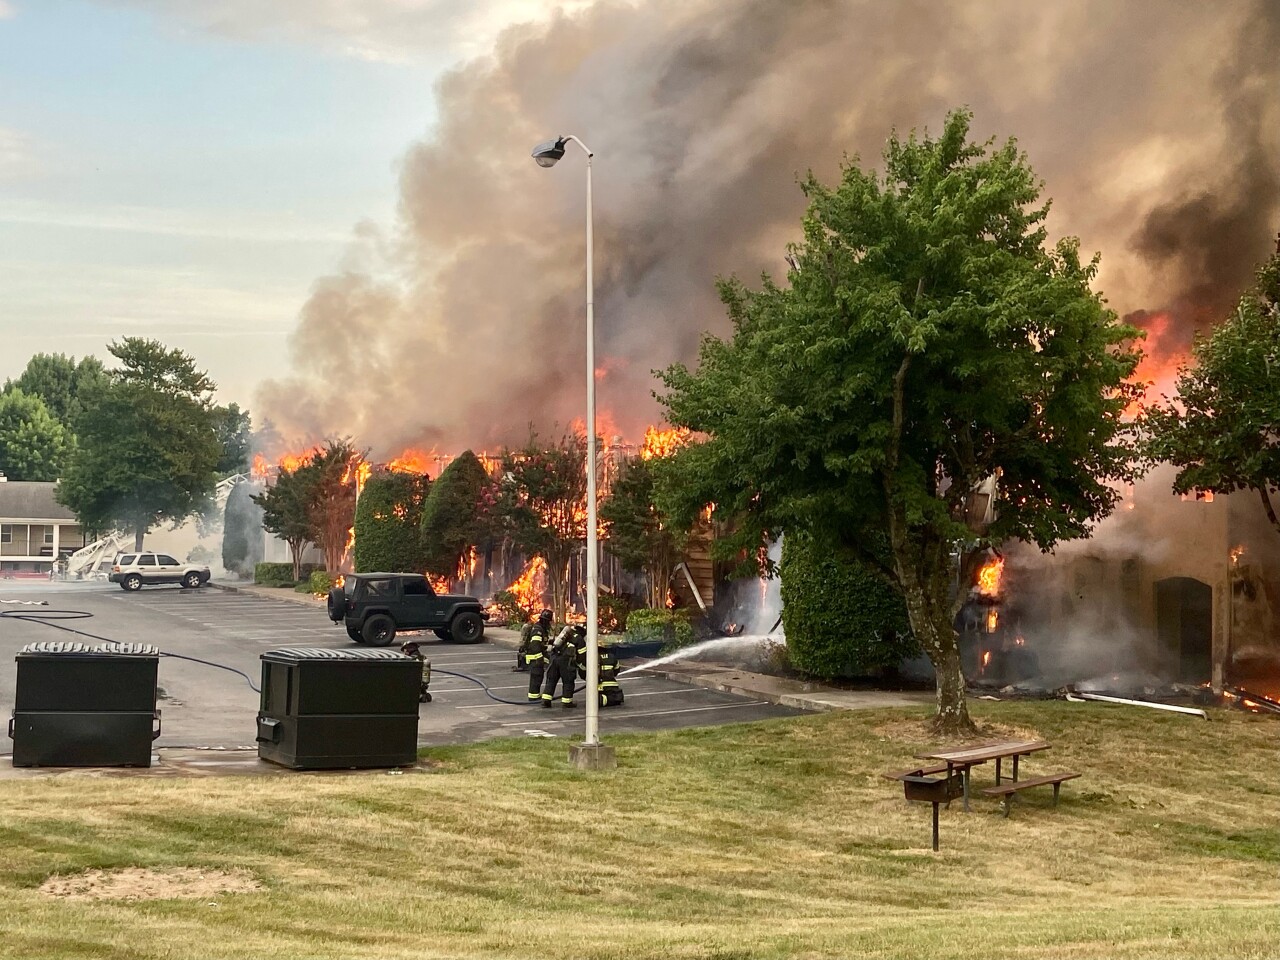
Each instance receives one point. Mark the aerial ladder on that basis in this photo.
(86, 563)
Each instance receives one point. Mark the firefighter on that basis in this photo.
(563, 667)
(609, 689)
(410, 648)
(534, 649)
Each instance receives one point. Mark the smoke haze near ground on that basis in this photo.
(1155, 127)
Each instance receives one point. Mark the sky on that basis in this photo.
(330, 203)
(185, 171)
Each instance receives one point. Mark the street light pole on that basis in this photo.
(594, 755)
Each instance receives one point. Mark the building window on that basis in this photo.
(48, 534)
(6, 533)
(1197, 494)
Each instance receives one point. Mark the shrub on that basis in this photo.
(281, 574)
(388, 516)
(673, 627)
(511, 609)
(841, 619)
(612, 611)
(318, 584)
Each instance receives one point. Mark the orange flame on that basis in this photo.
(663, 443)
(986, 659)
(1236, 553)
(413, 461)
(989, 577)
(993, 619)
(530, 587)
(438, 584)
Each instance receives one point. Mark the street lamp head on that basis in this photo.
(548, 152)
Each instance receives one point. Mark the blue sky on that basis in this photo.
(162, 179)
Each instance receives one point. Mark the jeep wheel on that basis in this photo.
(443, 634)
(355, 635)
(379, 630)
(191, 580)
(467, 627)
(337, 605)
(131, 582)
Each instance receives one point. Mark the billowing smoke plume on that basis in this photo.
(1156, 129)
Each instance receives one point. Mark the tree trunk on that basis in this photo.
(557, 577)
(933, 628)
(138, 533)
(295, 551)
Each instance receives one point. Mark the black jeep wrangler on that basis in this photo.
(374, 606)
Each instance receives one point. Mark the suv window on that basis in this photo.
(147, 560)
(380, 588)
(413, 587)
(165, 560)
(127, 559)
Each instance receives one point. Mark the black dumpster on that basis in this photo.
(326, 709)
(77, 705)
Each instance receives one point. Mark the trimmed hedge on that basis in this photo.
(648, 624)
(451, 520)
(841, 619)
(388, 516)
(242, 535)
(281, 574)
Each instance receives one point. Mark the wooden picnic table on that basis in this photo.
(964, 758)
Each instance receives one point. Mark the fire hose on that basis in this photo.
(47, 618)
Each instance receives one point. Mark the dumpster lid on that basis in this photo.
(295, 654)
(84, 649)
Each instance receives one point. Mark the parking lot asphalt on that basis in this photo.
(204, 706)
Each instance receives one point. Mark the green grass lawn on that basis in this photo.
(775, 839)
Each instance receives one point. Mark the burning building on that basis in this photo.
(1181, 589)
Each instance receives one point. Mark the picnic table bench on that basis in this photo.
(965, 758)
(1007, 792)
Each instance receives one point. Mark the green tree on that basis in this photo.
(1222, 431)
(542, 504)
(388, 523)
(60, 381)
(451, 516)
(233, 428)
(242, 530)
(146, 448)
(642, 538)
(928, 340)
(842, 618)
(286, 510)
(33, 444)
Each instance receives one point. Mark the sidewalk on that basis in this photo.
(799, 694)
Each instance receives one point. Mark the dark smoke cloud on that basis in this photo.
(1156, 128)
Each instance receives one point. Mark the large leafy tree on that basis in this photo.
(60, 381)
(333, 499)
(234, 430)
(542, 504)
(388, 522)
(1222, 430)
(286, 510)
(452, 521)
(928, 339)
(641, 536)
(34, 445)
(146, 450)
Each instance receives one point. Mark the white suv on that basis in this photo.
(132, 570)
